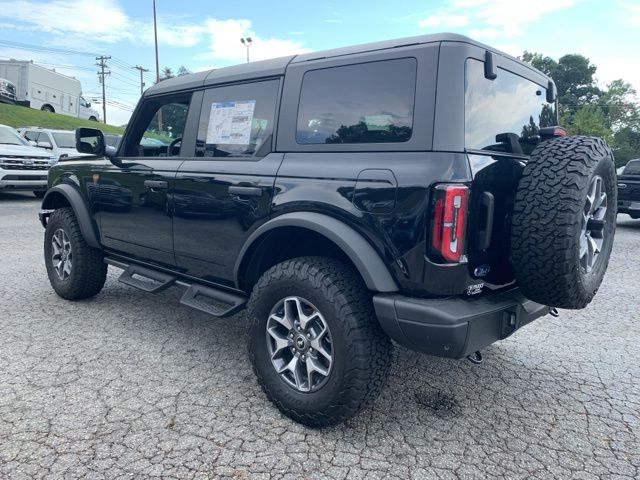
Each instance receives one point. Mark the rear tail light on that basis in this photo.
(449, 218)
(552, 132)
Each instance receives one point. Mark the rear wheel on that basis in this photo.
(93, 119)
(315, 345)
(75, 269)
(564, 221)
(47, 108)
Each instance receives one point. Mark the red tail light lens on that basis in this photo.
(449, 221)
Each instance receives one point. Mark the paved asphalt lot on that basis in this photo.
(131, 385)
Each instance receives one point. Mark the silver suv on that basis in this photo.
(22, 167)
(62, 143)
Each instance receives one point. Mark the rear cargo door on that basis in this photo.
(503, 112)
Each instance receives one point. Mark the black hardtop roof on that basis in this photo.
(277, 66)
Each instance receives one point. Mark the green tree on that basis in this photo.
(620, 106)
(589, 120)
(626, 145)
(182, 70)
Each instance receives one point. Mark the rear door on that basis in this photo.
(223, 193)
(134, 203)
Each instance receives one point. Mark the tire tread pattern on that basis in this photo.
(369, 350)
(545, 224)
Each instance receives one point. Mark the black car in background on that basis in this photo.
(629, 189)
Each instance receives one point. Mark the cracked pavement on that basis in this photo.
(134, 385)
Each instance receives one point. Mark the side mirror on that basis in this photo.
(90, 140)
(32, 143)
(46, 145)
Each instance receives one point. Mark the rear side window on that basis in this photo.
(237, 120)
(632, 168)
(504, 114)
(363, 103)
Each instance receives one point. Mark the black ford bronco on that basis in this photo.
(417, 190)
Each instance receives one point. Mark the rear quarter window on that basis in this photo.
(509, 104)
(363, 103)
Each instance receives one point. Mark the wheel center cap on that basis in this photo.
(300, 343)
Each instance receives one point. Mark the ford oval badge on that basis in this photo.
(481, 270)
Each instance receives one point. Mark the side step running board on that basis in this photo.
(212, 301)
(146, 279)
(218, 303)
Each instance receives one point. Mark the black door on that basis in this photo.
(224, 192)
(134, 197)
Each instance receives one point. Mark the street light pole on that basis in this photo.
(247, 43)
(155, 37)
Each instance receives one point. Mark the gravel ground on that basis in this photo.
(130, 384)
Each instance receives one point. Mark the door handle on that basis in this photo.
(245, 191)
(156, 184)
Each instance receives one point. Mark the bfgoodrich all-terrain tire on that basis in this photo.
(564, 221)
(75, 269)
(314, 342)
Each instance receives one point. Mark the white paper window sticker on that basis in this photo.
(230, 122)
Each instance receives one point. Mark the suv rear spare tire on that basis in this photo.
(564, 221)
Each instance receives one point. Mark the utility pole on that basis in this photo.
(155, 36)
(142, 70)
(102, 63)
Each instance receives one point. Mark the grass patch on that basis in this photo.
(17, 116)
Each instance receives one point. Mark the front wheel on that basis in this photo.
(314, 342)
(75, 269)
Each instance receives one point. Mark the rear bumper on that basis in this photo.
(454, 327)
(628, 206)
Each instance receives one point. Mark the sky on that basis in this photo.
(68, 34)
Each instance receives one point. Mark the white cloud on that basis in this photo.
(485, 32)
(224, 42)
(72, 17)
(630, 13)
(494, 18)
(88, 23)
(446, 21)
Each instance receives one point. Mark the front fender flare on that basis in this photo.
(366, 260)
(80, 209)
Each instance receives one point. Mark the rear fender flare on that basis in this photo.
(366, 260)
(80, 209)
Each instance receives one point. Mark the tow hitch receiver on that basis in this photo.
(476, 358)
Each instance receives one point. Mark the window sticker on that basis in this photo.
(230, 122)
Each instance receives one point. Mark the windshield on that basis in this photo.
(8, 136)
(65, 139)
(632, 168)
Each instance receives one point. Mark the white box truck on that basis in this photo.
(43, 89)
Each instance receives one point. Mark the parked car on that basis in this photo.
(396, 190)
(47, 90)
(629, 189)
(62, 143)
(7, 91)
(22, 167)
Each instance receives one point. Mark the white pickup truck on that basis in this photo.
(43, 89)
